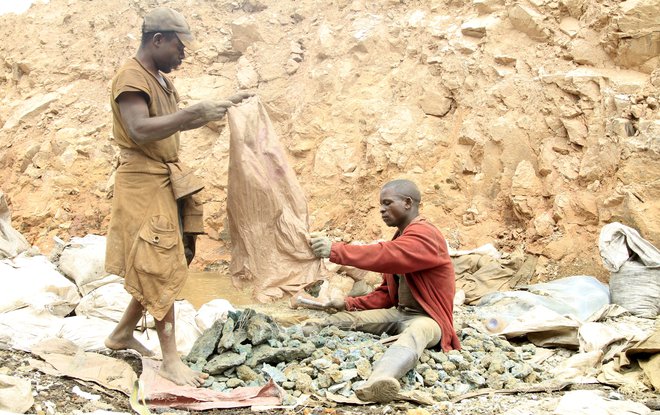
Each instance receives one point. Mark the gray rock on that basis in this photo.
(274, 373)
(247, 374)
(337, 387)
(349, 374)
(260, 329)
(473, 377)
(235, 383)
(222, 362)
(227, 338)
(206, 344)
(264, 353)
(521, 370)
(430, 377)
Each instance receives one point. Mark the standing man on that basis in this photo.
(153, 210)
(415, 299)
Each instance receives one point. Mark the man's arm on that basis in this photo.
(379, 298)
(145, 129)
(418, 248)
(235, 99)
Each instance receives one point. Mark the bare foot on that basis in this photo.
(179, 373)
(115, 343)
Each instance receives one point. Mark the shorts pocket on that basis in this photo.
(156, 251)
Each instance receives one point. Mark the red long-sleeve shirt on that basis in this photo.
(420, 255)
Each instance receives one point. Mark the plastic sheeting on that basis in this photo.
(266, 209)
(548, 313)
(161, 392)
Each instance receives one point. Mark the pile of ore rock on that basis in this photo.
(249, 348)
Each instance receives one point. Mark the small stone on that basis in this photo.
(337, 387)
(234, 383)
(222, 362)
(450, 367)
(324, 381)
(363, 368)
(474, 378)
(321, 363)
(430, 377)
(246, 373)
(439, 394)
(303, 383)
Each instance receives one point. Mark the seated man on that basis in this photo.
(415, 299)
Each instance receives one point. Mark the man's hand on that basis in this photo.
(329, 306)
(240, 96)
(208, 111)
(320, 245)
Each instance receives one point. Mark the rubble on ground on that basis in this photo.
(250, 348)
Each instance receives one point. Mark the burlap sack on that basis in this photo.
(266, 209)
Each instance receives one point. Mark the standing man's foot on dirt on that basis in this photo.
(115, 343)
(179, 373)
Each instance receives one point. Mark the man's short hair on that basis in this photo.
(405, 188)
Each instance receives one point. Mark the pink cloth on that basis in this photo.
(161, 392)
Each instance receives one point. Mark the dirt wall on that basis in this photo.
(526, 123)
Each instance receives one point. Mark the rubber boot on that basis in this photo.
(383, 384)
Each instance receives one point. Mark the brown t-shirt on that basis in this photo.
(162, 100)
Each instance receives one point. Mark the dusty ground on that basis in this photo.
(54, 396)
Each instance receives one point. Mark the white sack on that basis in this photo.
(12, 242)
(33, 281)
(15, 395)
(576, 297)
(614, 241)
(580, 368)
(108, 303)
(583, 295)
(187, 331)
(635, 278)
(549, 313)
(210, 312)
(88, 333)
(83, 261)
(21, 329)
(597, 336)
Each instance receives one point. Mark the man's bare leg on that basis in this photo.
(122, 336)
(173, 368)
